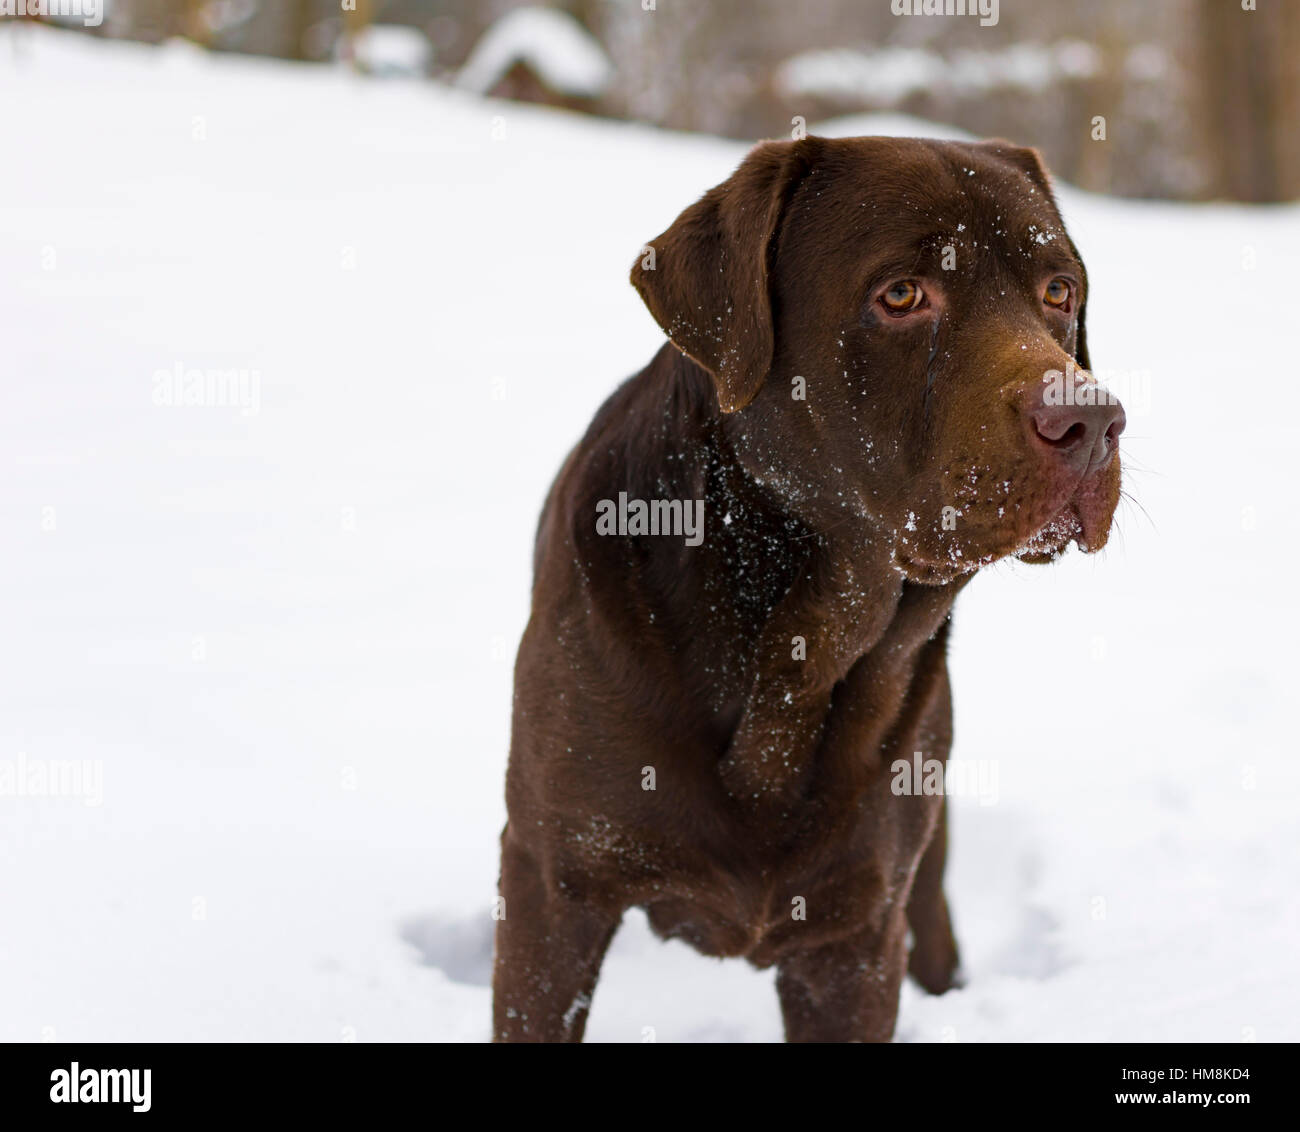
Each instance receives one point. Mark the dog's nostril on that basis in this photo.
(1058, 429)
(1072, 435)
(1116, 427)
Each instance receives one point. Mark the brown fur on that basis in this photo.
(823, 522)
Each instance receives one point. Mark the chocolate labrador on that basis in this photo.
(876, 383)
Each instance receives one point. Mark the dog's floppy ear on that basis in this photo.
(1030, 162)
(706, 282)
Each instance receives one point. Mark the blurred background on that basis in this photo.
(1200, 98)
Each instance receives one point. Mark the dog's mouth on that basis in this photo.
(1084, 518)
(1053, 539)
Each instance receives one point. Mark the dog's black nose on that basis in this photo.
(1084, 437)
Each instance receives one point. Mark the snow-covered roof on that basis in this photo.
(564, 55)
(886, 75)
(391, 49)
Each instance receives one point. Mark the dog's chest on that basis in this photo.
(839, 876)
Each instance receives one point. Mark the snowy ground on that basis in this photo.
(284, 634)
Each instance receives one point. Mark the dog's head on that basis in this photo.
(896, 331)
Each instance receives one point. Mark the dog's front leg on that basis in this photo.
(549, 948)
(934, 961)
(813, 636)
(772, 749)
(846, 990)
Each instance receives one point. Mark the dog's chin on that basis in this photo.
(1084, 521)
(943, 565)
(1053, 539)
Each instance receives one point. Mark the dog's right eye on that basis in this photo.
(903, 296)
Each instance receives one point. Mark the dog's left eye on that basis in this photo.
(1057, 293)
(903, 296)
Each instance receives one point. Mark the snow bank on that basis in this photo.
(556, 46)
(887, 75)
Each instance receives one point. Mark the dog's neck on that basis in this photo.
(858, 598)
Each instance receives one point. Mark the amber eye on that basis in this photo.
(902, 296)
(1057, 293)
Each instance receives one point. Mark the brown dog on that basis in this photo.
(876, 384)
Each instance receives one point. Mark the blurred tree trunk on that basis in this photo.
(300, 21)
(1250, 61)
(355, 19)
(194, 26)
